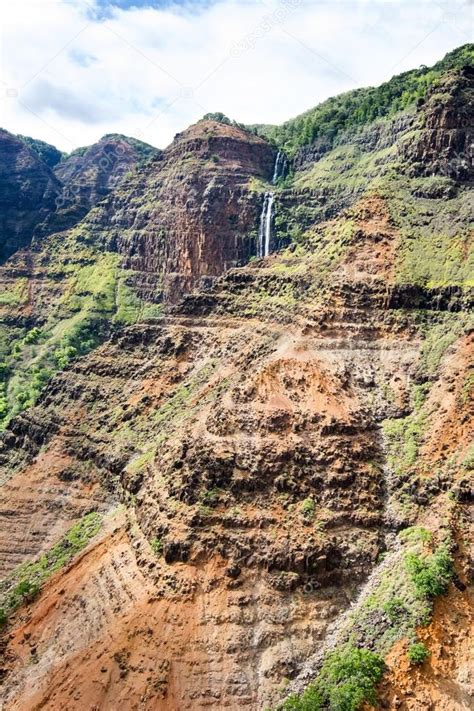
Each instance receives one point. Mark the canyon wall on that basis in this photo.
(221, 474)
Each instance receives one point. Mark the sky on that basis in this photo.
(73, 70)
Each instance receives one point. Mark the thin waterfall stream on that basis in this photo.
(281, 167)
(265, 231)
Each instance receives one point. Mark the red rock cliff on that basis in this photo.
(191, 213)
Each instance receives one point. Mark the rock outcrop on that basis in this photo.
(191, 213)
(444, 143)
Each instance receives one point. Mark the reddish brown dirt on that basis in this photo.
(100, 638)
(40, 504)
(375, 242)
(452, 398)
(228, 642)
(445, 681)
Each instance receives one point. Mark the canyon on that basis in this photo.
(236, 453)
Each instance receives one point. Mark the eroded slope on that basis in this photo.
(251, 455)
(281, 464)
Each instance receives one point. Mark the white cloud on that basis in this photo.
(72, 72)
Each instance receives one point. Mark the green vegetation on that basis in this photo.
(359, 107)
(347, 168)
(151, 311)
(393, 609)
(404, 435)
(156, 545)
(417, 653)
(38, 377)
(24, 583)
(177, 407)
(430, 574)
(347, 678)
(258, 185)
(328, 244)
(139, 463)
(16, 294)
(270, 300)
(82, 338)
(432, 217)
(95, 299)
(308, 508)
(467, 389)
(210, 497)
(219, 117)
(400, 601)
(48, 153)
(468, 460)
(403, 597)
(33, 335)
(415, 534)
(438, 337)
(25, 591)
(298, 277)
(143, 150)
(431, 214)
(437, 260)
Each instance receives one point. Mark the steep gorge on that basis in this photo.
(256, 447)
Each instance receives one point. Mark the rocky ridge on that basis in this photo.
(90, 174)
(29, 190)
(41, 197)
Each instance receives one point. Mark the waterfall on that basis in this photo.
(268, 223)
(281, 167)
(265, 229)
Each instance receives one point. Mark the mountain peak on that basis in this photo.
(211, 128)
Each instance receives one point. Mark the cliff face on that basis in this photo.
(183, 218)
(28, 193)
(191, 213)
(202, 503)
(444, 142)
